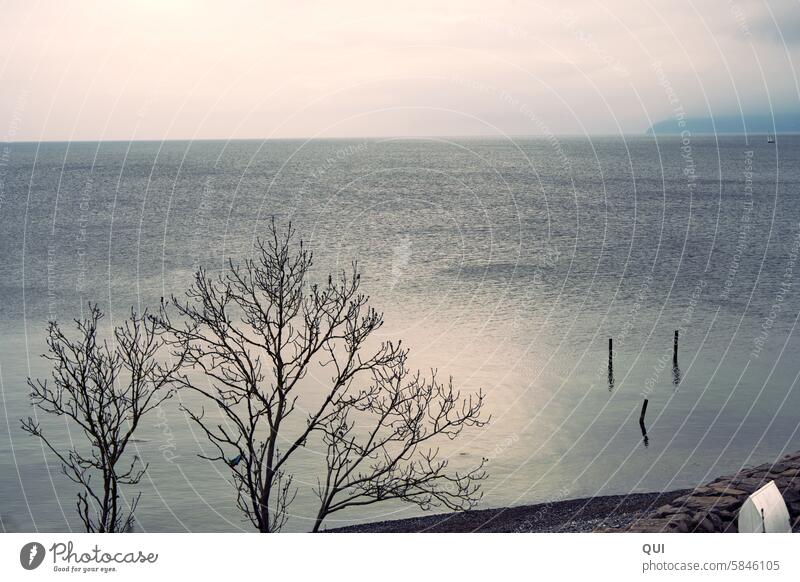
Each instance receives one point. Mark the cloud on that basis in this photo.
(250, 69)
(778, 22)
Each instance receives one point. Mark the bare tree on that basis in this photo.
(255, 331)
(378, 444)
(105, 388)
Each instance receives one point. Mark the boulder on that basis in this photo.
(728, 489)
(727, 515)
(665, 511)
(790, 494)
(705, 490)
(716, 520)
(748, 484)
(732, 527)
(706, 503)
(779, 468)
(705, 525)
(680, 523)
(714, 507)
(651, 525)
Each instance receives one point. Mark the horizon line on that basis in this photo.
(393, 137)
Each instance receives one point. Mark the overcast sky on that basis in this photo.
(172, 69)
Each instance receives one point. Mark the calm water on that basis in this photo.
(505, 264)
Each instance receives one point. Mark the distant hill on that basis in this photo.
(784, 123)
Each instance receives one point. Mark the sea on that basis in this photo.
(506, 264)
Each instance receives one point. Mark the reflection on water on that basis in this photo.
(494, 261)
(676, 375)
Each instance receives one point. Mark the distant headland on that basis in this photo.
(749, 124)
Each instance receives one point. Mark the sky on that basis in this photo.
(176, 69)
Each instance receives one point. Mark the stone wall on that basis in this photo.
(715, 506)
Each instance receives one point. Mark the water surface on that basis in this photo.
(506, 264)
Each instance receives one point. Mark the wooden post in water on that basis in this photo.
(641, 423)
(644, 411)
(675, 349)
(610, 364)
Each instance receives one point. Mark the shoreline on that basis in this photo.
(570, 515)
(709, 508)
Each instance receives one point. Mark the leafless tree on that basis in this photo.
(378, 444)
(255, 331)
(105, 388)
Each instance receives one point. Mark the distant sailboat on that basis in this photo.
(770, 139)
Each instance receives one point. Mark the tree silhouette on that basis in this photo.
(104, 388)
(255, 331)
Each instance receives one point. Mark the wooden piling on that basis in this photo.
(675, 349)
(641, 423)
(610, 364)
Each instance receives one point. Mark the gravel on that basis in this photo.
(574, 515)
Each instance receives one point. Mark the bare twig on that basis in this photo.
(254, 331)
(104, 388)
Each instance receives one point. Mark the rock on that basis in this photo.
(794, 508)
(651, 525)
(790, 494)
(782, 482)
(705, 525)
(679, 501)
(665, 511)
(748, 484)
(716, 520)
(727, 515)
(705, 490)
(719, 502)
(779, 468)
(728, 490)
(726, 480)
(714, 507)
(731, 528)
(681, 525)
